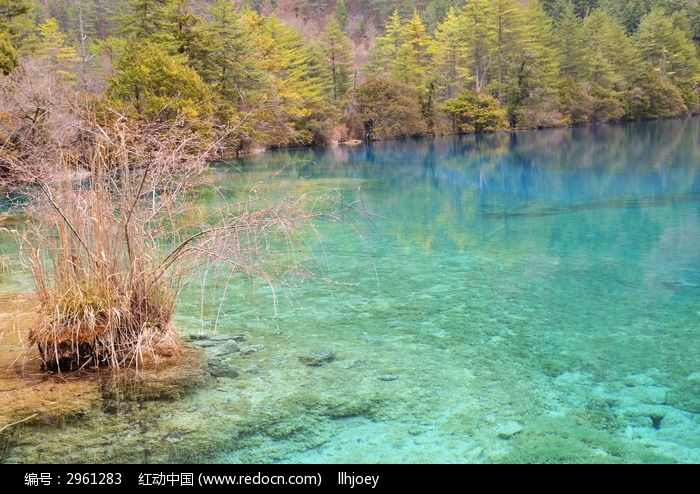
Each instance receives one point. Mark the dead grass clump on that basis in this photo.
(111, 233)
(112, 236)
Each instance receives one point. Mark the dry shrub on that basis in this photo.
(38, 121)
(112, 233)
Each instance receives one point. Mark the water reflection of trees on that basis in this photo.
(470, 189)
(591, 229)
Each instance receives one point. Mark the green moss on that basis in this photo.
(564, 440)
(600, 415)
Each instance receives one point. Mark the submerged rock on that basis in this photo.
(174, 437)
(694, 377)
(645, 415)
(171, 379)
(228, 348)
(204, 343)
(222, 369)
(388, 377)
(367, 338)
(253, 369)
(509, 429)
(686, 397)
(210, 340)
(248, 349)
(318, 358)
(639, 380)
(651, 395)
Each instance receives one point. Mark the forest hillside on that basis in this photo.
(299, 72)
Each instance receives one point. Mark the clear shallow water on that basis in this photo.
(514, 297)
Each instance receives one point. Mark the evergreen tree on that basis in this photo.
(102, 18)
(556, 9)
(388, 46)
(224, 55)
(8, 54)
(341, 14)
(508, 26)
(479, 33)
(694, 21)
(298, 101)
(17, 26)
(606, 77)
(413, 61)
(52, 48)
(576, 102)
(148, 21)
(10, 9)
(450, 57)
(533, 93)
(671, 52)
(338, 54)
(183, 25)
(152, 84)
(584, 8)
(571, 43)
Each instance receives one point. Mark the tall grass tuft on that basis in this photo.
(112, 236)
(125, 237)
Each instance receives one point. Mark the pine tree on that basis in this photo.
(405, 54)
(584, 8)
(388, 47)
(671, 52)
(148, 21)
(413, 60)
(341, 14)
(10, 9)
(508, 26)
(152, 84)
(183, 25)
(338, 53)
(224, 55)
(450, 57)
(604, 39)
(694, 21)
(479, 32)
(102, 18)
(576, 101)
(555, 9)
(17, 24)
(298, 109)
(8, 54)
(52, 48)
(533, 95)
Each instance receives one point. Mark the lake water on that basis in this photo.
(524, 297)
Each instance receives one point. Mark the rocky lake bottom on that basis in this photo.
(521, 298)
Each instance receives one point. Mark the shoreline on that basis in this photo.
(255, 151)
(32, 396)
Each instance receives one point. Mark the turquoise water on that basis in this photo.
(524, 297)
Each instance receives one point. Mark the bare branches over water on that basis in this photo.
(112, 233)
